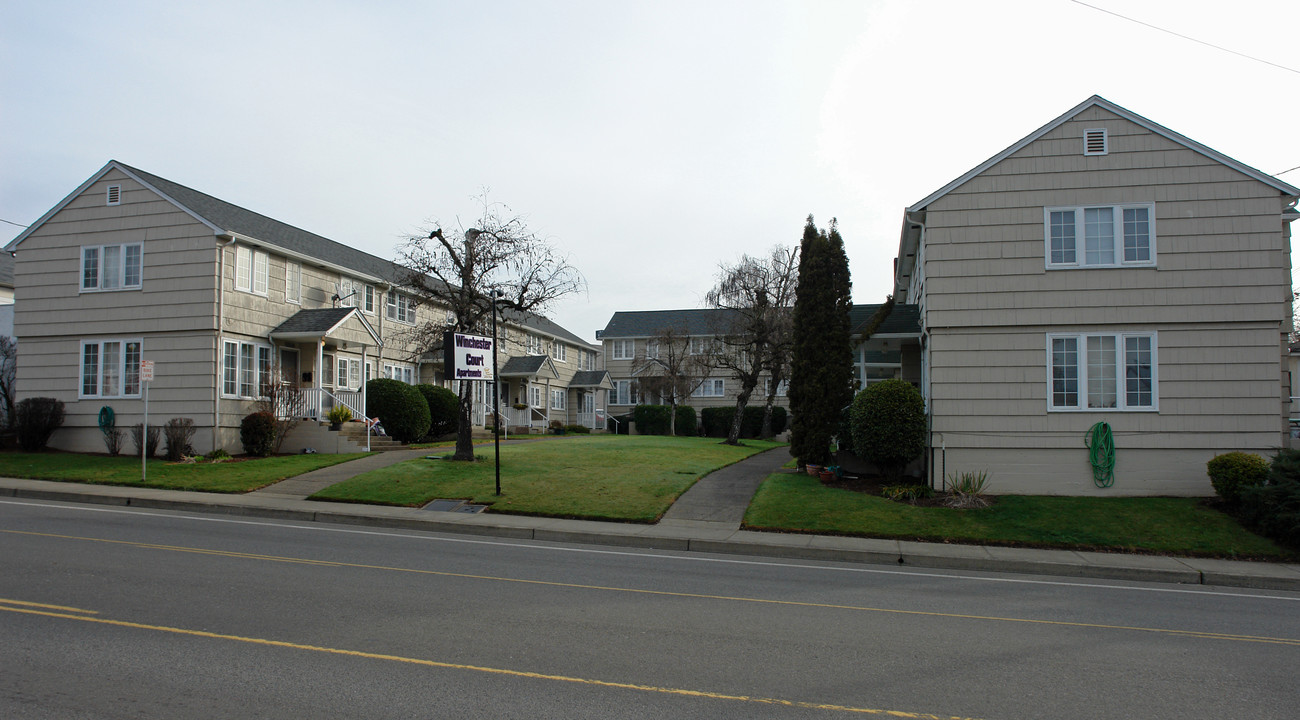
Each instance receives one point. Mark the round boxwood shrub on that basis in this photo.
(444, 406)
(888, 426)
(257, 432)
(1230, 473)
(401, 408)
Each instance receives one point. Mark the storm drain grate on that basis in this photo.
(459, 506)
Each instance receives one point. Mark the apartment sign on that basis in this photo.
(467, 357)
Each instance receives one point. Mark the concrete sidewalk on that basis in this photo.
(705, 519)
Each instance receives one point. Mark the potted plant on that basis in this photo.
(338, 415)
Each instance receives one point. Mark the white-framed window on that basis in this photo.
(110, 368)
(1112, 236)
(558, 399)
(400, 308)
(1102, 371)
(405, 373)
(370, 370)
(711, 387)
(533, 344)
(111, 267)
(535, 396)
(782, 387)
(703, 345)
(368, 300)
(622, 349)
(349, 374)
(252, 270)
(245, 369)
(652, 349)
(559, 351)
(624, 393)
(586, 360)
(293, 281)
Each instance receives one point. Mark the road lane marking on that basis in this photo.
(667, 593)
(432, 536)
(705, 694)
(64, 608)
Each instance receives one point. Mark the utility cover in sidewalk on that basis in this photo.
(454, 506)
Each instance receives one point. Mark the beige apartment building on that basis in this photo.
(1102, 269)
(133, 267)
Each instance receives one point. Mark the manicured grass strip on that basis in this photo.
(1182, 526)
(631, 479)
(225, 477)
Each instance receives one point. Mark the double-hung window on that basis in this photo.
(1100, 236)
(111, 267)
(535, 395)
(349, 375)
(621, 349)
(623, 393)
(110, 368)
(405, 373)
(252, 270)
(711, 387)
(559, 352)
(400, 308)
(1102, 371)
(245, 369)
(293, 282)
(558, 398)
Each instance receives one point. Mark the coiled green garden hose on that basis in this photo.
(1101, 453)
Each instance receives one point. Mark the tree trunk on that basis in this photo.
(766, 433)
(733, 437)
(672, 417)
(464, 425)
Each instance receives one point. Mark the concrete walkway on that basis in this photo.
(705, 519)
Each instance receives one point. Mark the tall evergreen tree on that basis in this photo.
(821, 366)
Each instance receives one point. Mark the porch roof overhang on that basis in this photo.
(587, 379)
(321, 323)
(530, 366)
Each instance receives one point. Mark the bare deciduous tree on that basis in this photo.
(754, 334)
(285, 401)
(461, 274)
(8, 375)
(670, 370)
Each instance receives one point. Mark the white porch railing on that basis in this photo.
(317, 402)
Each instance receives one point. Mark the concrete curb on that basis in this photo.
(687, 536)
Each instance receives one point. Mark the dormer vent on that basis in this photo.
(1095, 142)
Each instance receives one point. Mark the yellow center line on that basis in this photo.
(64, 608)
(482, 669)
(667, 593)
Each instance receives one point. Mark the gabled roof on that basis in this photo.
(223, 217)
(648, 323)
(591, 378)
(6, 270)
(1099, 101)
(309, 324)
(529, 366)
(903, 319)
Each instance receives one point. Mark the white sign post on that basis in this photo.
(146, 377)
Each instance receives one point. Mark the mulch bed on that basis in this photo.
(874, 485)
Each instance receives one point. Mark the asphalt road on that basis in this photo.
(123, 613)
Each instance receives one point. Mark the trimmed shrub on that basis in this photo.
(36, 419)
(577, 429)
(150, 443)
(651, 419)
(1285, 466)
(400, 407)
(687, 424)
(257, 432)
(716, 421)
(178, 432)
(1273, 510)
(888, 425)
(1230, 473)
(444, 407)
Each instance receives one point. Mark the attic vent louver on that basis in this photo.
(114, 194)
(1094, 142)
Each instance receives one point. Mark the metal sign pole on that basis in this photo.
(146, 377)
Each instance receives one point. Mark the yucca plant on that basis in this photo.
(966, 490)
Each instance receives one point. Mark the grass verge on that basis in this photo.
(225, 477)
(598, 477)
(1160, 525)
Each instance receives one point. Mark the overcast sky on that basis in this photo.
(650, 141)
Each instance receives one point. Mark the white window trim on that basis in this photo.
(559, 399)
(259, 270)
(559, 352)
(1080, 242)
(1121, 391)
(99, 371)
(258, 379)
(535, 398)
(622, 349)
(368, 294)
(398, 307)
(99, 269)
(622, 398)
(399, 371)
(293, 269)
(711, 388)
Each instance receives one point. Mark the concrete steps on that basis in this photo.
(351, 438)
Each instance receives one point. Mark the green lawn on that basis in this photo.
(226, 477)
(600, 477)
(1179, 526)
